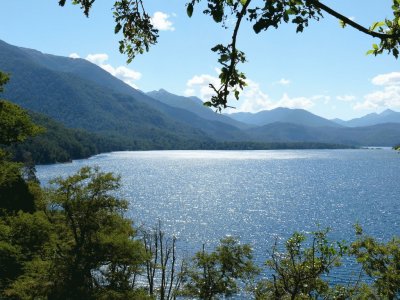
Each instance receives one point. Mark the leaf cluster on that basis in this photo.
(221, 272)
(380, 261)
(15, 124)
(298, 272)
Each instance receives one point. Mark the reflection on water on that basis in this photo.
(201, 196)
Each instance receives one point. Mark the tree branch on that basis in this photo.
(352, 23)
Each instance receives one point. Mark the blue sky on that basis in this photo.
(324, 69)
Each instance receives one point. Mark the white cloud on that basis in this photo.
(161, 21)
(388, 79)
(252, 98)
(200, 83)
(98, 59)
(283, 81)
(366, 105)
(346, 98)
(297, 102)
(127, 75)
(387, 97)
(74, 55)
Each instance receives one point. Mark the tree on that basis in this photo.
(298, 272)
(381, 262)
(25, 239)
(15, 124)
(139, 33)
(163, 270)
(77, 245)
(15, 127)
(4, 78)
(96, 250)
(221, 272)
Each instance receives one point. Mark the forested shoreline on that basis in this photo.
(58, 144)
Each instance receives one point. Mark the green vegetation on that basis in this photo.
(60, 144)
(218, 274)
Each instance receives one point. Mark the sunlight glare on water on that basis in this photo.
(257, 196)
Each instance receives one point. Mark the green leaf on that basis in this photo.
(375, 46)
(376, 25)
(117, 28)
(189, 10)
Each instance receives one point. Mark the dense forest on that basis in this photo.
(57, 143)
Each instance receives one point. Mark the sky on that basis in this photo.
(323, 70)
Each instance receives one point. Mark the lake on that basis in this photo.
(257, 196)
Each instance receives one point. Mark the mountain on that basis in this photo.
(377, 135)
(82, 95)
(194, 105)
(283, 115)
(387, 116)
(339, 121)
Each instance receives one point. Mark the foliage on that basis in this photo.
(298, 272)
(78, 246)
(381, 262)
(221, 272)
(4, 78)
(130, 17)
(139, 34)
(25, 238)
(61, 144)
(15, 124)
(96, 245)
(15, 193)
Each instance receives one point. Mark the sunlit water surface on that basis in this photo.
(257, 196)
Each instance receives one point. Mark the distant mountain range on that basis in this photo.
(283, 115)
(80, 94)
(387, 116)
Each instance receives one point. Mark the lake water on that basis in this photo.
(257, 196)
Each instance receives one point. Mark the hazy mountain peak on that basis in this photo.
(387, 112)
(163, 91)
(387, 116)
(284, 115)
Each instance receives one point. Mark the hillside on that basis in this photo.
(283, 115)
(387, 116)
(194, 105)
(376, 135)
(81, 95)
(60, 144)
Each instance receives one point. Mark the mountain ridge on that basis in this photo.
(80, 94)
(386, 116)
(285, 115)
